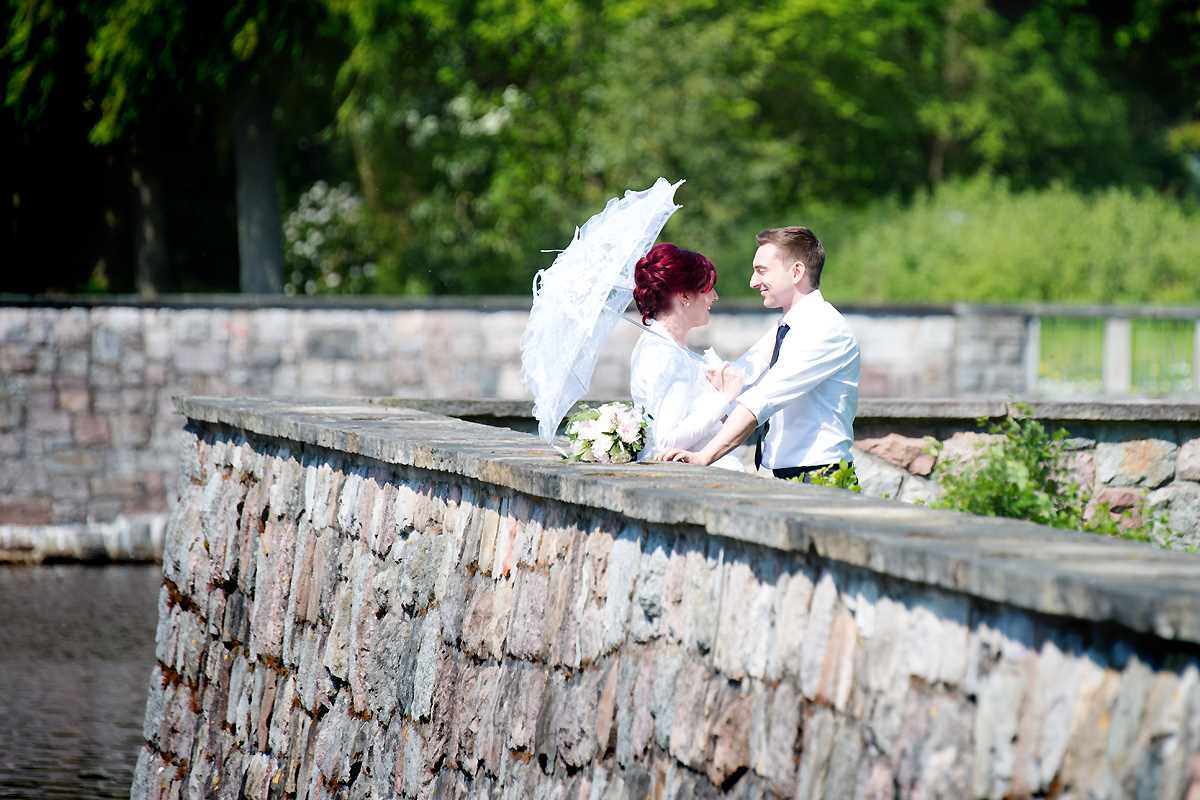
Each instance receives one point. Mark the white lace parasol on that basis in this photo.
(578, 300)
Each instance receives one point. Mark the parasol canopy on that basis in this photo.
(578, 300)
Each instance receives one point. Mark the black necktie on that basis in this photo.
(780, 332)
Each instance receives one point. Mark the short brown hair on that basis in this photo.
(797, 244)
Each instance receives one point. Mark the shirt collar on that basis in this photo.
(801, 306)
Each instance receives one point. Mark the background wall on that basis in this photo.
(88, 436)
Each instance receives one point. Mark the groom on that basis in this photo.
(803, 401)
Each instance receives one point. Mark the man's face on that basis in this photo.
(774, 277)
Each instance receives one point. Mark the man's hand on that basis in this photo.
(737, 427)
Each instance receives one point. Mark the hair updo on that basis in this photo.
(666, 271)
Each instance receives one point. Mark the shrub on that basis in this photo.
(976, 240)
(1024, 475)
(326, 247)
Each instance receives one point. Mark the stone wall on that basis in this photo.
(88, 435)
(1138, 456)
(362, 601)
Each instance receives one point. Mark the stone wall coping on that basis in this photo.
(1072, 574)
(953, 409)
(521, 302)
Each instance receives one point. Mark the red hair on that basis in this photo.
(666, 271)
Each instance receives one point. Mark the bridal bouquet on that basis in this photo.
(614, 433)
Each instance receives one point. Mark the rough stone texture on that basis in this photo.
(1138, 457)
(1187, 468)
(88, 435)
(539, 629)
(903, 451)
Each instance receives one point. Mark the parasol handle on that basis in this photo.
(644, 329)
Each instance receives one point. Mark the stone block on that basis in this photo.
(648, 597)
(1187, 463)
(26, 510)
(1081, 468)
(473, 725)
(131, 430)
(793, 596)
(1135, 456)
(425, 671)
(12, 413)
(476, 617)
(489, 529)
(906, 452)
(337, 648)
(617, 577)
(729, 734)
(12, 445)
(446, 704)
(931, 756)
(966, 446)
(1118, 500)
(76, 401)
(1000, 696)
(936, 638)
(314, 686)
(831, 750)
(16, 358)
(528, 542)
(916, 489)
(700, 596)
(156, 710)
(331, 754)
(815, 644)
(192, 643)
(530, 592)
(48, 421)
(272, 584)
(782, 731)
(575, 720)
(332, 344)
(1180, 501)
(877, 477)
(509, 527)
(694, 708)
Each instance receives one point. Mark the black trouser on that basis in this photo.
(804, 473)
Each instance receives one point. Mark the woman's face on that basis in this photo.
(696, 306)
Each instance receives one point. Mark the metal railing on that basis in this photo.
(1117, 356)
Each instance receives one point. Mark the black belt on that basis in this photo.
(803, 472)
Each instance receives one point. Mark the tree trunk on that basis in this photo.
(147, 218)
(259, 227)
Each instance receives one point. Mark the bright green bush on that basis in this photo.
(1024, 475)
(976, 241)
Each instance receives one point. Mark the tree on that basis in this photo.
(145, 60)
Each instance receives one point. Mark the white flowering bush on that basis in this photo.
(326, 246)
(614, 433)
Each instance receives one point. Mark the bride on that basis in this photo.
(686, 395)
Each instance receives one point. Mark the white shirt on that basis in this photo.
(686, 409)
(811, 394)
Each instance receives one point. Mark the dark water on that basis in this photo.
(76, 653)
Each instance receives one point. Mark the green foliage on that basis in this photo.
(484, 132)
(1025, 475)
(842, 476)
(481, 132)
(977, 240)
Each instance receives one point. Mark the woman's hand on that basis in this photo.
(675, 454)
(728, 380)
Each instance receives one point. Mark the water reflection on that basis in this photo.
(76, 653)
